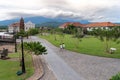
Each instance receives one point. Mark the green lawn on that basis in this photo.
(8, 68)
(88, 45)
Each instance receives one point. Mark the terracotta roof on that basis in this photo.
(17, 24)
(100, 24)
(117, 24)
(76, 24)
(64, 25)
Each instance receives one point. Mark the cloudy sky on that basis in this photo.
(91, 10)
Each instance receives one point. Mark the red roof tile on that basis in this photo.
(17, 24)
(117, 24)
(100, 24)
(76, 24)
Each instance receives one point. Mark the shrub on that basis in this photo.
(35, 47)
(33, 31)
(116, 77)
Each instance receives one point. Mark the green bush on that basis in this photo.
(33, 31)
(21, 33)
(116, 77)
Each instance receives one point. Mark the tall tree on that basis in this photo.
(107, 34)
(79, 35)
(71, 29)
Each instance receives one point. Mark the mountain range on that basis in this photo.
(43, 21)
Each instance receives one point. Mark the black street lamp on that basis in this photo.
(22, 62)
(14, 33)
(15, 43)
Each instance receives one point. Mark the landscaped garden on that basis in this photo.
(9, 67)
(88, 45)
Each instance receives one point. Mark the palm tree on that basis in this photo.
(35, 47)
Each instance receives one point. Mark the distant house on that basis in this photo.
(76, 24)
(15, 27)
(105, 25)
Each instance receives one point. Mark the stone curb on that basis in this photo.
(42, 69)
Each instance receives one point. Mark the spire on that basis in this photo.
(21, 23)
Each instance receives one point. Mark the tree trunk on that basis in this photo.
(107, 46)
(55, 38)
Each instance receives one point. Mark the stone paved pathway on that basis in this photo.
(61, 70)
(89, 67)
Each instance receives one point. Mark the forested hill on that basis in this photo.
(49, 24)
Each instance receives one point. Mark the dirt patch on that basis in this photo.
(11, 59)
(10, 47)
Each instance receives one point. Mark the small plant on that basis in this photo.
(116, 77)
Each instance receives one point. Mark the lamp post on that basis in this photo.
(22, 62)
(14, 32)
(15, 43)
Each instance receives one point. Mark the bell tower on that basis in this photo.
(21, 24)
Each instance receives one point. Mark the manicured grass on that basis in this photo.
(8, 68)
(88, 45)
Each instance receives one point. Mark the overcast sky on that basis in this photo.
(91, 10)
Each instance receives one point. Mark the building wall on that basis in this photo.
(91, 28)
(12, 29)
(27, 26)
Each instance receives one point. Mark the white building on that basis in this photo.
(29, 25)
(15, 27)
(102, 25)
(5, 35)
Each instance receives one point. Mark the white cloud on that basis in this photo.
(92, 10)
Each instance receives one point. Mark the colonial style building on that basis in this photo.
(16, 27)
(89, 26)
(29, 25)
(105, 25)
